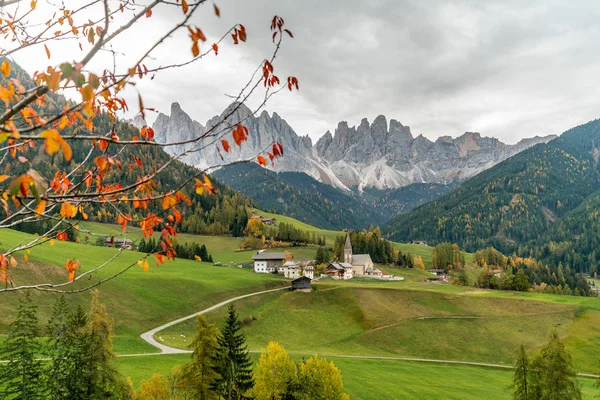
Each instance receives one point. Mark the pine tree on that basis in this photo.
(231, 361)
(102, 379)
(198, 375)
(553, 376)
(77, 341)
(519, 385)
(22, 377)
(58, 351)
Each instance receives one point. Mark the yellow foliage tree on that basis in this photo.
(155, 388)
(418, 262)
(320, 379)
(275, 373)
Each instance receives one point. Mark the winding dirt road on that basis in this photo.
(164, 349)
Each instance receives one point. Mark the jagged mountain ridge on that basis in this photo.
(374, 155)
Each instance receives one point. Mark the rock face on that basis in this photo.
(377, 154)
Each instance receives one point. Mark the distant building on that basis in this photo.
(338, 270)
(301, 284)
(438, 272)
(291, 270)
(268, 221)
(361, 263)
(418, 242)
(121, 243)
(441, 276)
(267, 262)
(309, 272)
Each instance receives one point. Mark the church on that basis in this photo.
(362, 265)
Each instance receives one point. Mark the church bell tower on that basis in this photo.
(348, 250)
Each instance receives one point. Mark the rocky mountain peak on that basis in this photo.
(374, 154)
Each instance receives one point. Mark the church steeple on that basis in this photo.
(348, 250)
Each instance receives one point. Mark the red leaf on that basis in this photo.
(148, 13)
(217, 11)
(240, 134)
(288, 32)
(226, 146)
(216, 49)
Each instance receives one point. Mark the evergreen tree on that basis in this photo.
(58, 351)
(77, 356)
(231, 361)
(519, 385)
(553, 376)
(198, 375)
(102, 379)
(21, 378)
(322, 256)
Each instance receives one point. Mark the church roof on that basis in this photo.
(360, 259)
(348, 245)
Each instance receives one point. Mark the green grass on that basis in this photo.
(382, 379)
(376, 318)
(136, 300)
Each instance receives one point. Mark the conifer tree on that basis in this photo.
(197, 376)
(77, 340)
(553, 376)
(231, 361)
(21, 378)
(102, 379)
(519, 385)
(58, 351)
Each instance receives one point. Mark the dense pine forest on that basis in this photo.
(539, 203)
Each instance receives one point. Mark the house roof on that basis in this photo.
(436, 270)
(289, 264)
(302, 278)
(268, 256)
(309, 268)
(360, 259)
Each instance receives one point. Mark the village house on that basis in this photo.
(338, 270)
(309, 272)
(291, 270)
(268, 221)
(362, 265)
(418, 242)
(301, 284)
(265, 263)
(441, 276)
(121, 243)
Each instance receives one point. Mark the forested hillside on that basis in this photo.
(208, 213)
(535, 203)
(299, 196)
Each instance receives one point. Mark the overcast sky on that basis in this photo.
(508, 69)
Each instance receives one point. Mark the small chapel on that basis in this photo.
(361, 263)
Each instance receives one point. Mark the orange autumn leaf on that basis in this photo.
(71, 266)
(52, 142)
(47, 51)
(261, 160)
(240, 134)
(216, 49)
(147, 133)
(41, 207)
(225, 144)
(217, 11)
(3, 178)
(195, 49)
(67, 210)
(5, 68)
(168, 202)
(148, 13)
(184, 6)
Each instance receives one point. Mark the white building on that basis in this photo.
(265, 262)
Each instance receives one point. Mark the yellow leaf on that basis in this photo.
(3, 178)
(198, 258)
(51, 242)
(5, 68)
(53, 140)
(66, 149)
(26, 257)
(13, 262)
(47, 51)
(33, 4)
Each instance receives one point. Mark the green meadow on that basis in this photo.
(360, 317)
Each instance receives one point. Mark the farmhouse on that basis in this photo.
(269, 221)
(361, 263)
(338, 270)
(309, 272)
(418, 242)
(290, 270)
(122, 243)
(267, 262)
(301, 284)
